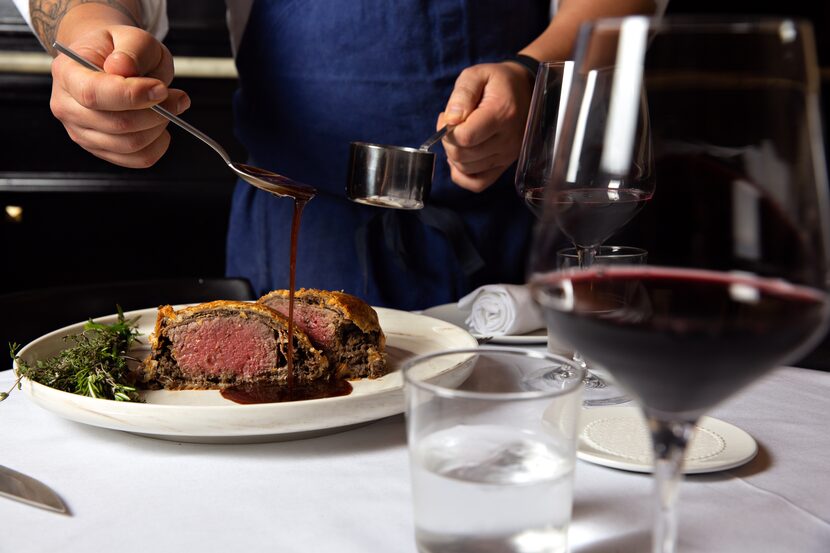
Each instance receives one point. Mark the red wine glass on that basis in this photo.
(535, 167)
(605, 133)
(737, 276)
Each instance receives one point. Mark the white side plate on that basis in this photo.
(618, 437)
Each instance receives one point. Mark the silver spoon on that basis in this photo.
(265, 180)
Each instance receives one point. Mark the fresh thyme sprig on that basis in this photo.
(94, 365)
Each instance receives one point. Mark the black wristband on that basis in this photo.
(529, 63)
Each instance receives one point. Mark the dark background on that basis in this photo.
(815, 11)
(818, 13)
(84, 220)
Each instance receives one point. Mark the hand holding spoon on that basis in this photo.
(274, 183)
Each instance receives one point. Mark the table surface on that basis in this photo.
(349, 492)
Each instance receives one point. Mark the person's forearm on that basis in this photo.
(66, 19)
(556, 42)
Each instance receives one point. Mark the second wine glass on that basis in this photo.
(605, 133)
(584, 201)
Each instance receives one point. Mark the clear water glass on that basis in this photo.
(492, 459)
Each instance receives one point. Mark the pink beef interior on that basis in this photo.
(221, 345)
(319, 323)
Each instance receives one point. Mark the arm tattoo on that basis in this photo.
(47, 14)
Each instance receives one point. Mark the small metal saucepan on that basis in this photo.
(391, 176)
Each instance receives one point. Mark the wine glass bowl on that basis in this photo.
(737, 276)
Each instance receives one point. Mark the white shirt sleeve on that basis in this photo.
(153, 16)
(237, 16)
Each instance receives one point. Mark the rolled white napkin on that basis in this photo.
(500, 309)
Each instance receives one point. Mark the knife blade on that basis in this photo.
(26, 489)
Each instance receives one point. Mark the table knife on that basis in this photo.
(24, 488)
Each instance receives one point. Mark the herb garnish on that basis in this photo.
(94, 365)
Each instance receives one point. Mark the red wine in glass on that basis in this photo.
(589, 216)
(683, 340)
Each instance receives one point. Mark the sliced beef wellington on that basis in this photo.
(345, 327)
(226, 343)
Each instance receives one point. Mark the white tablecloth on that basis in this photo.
(349, 492)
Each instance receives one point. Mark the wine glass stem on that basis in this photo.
(669, 439)
(585, 256)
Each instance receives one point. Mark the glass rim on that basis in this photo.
(389, 148)
(617, 252)
(559, 63)
(447, 392)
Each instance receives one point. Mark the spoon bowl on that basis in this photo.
(273, 182)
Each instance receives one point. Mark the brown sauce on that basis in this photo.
(299, 204)
(275, 393)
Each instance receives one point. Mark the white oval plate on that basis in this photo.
(205, 416)
(618, 437)
(451, 313)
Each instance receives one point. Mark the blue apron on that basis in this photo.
(316, 75)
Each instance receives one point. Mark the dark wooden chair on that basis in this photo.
(26, 315)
